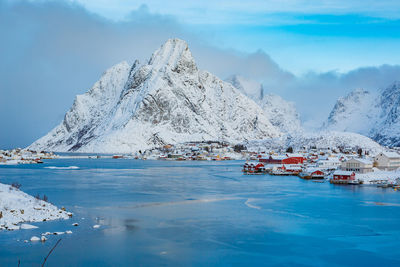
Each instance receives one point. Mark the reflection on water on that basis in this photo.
(201, 214)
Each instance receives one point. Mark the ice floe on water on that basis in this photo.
(35, 239)
(248, 204)
(27, 226)
(62, 168)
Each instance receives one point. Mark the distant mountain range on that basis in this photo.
(168, 100)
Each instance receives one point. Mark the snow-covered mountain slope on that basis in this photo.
(352, 113)
(167, 100)
(282, 114)
(322, 140)
(377, 116)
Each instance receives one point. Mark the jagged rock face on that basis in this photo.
(167, 100)
(377, 116)
(282, 114)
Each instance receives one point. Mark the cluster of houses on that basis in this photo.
(339, 168)
(210, 150)
(344, 167)
(23, 156)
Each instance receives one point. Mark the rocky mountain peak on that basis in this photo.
(175, 55)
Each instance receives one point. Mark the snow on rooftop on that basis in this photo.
(280, 157)
(391, 154)
(365, 161)
(340, 172)
(294, 155)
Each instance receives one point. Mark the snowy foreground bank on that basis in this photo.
(17, 207)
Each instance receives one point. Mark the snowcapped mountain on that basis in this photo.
(374, 115)
(166, 100)
(282, 114)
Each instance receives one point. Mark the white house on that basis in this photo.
(358, 165)
(387, 161)
(329, 163)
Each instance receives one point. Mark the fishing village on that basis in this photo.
(347, 166)
(352, 168)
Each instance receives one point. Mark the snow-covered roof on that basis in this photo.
(311, 170)
(365, 161)
(340, 172)
(294, 155)
(329, 160)
(278, 157)
(390, 154)
(293, 168)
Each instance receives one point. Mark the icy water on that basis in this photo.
(202, 214)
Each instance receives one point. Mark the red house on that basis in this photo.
(343, 177)
(312, 173)
(317, 173)
(296, 159)
(253, 168)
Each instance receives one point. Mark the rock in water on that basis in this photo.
(167, 100)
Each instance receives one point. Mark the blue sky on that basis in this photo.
(309, 52)
(322, 35)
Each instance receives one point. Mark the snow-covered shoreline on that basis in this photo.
(391, 177)
(24, 156)
(17, 207)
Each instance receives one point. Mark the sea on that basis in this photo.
(200, 213)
